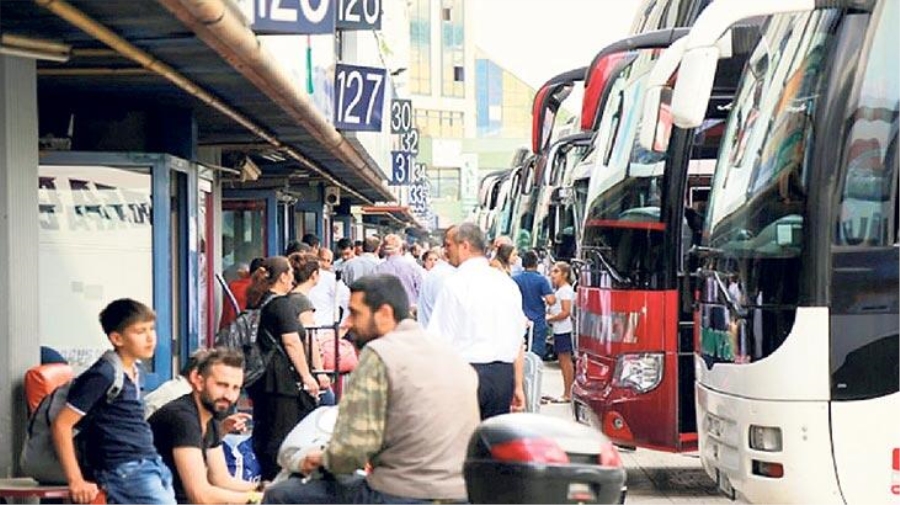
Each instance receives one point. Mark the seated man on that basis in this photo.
(420, 439)
(187, 435)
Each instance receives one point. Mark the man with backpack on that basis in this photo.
(189, 439)
(122, 457)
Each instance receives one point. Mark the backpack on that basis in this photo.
(38, 459)
(241, 334)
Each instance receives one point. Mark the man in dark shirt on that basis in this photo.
(187, 436)
(537, 295)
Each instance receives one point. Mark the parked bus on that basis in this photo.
(525, 194)
(797, 319)
(635, 375)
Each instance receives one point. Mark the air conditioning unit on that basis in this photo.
(333, 195)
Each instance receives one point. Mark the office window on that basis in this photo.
(452, 49)
(420, 47)
(440, 123)
(444, 183)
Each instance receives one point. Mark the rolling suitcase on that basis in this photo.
(534, 373)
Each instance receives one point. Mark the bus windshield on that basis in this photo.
(622, 228)
(754, 227)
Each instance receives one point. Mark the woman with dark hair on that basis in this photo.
(506, 256)
(306, 276)
(287, 391)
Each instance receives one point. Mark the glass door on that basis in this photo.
(244, 234)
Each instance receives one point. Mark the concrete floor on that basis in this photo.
(653, 477)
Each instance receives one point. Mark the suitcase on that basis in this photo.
(533, 374)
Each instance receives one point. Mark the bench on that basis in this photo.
(26, 489)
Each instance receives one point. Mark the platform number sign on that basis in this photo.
(420, 191)
(359, 14)
(358, 97)
(294, 16)
(401, 168)
(401, 115)
(409, 141)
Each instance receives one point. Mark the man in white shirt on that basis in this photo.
(328, 294)
(431, 288)
(479, 310)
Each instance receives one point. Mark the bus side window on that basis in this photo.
(870, 184)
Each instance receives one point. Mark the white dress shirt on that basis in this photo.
(328, 294)
(479, 311)
(431, 288)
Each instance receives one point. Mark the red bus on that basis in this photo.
(634, 369)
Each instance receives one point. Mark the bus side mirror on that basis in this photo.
(656, 121)
(694, 87)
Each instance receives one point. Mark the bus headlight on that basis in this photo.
(765, 438)
(640, 372)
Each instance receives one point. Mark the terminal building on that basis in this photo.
(145, 147)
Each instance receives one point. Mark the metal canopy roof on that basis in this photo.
(399, 213)
(98, 74)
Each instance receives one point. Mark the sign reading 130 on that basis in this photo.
(359, 14)
(358, 97)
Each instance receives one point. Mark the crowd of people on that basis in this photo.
(440, 333)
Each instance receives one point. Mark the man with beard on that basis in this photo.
(187, 434)
(408, 412)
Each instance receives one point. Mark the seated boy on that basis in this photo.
(122, 456)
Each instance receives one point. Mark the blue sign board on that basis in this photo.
(359, 14)
(298, 17)
(401, 168)
(358, 97)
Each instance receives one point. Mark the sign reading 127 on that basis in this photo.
(293, 16)
(358, 97)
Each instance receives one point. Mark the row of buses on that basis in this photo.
(729, 202)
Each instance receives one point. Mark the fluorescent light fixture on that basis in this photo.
(37, 49)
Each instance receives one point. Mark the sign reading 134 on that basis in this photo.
(358, 97)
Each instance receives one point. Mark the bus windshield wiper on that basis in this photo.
(734, 305)
(613, 272)
(705, 251)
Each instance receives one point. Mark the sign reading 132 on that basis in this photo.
(359, 14)
(358, 97)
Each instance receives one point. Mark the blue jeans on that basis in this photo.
(328, 490)
(141, 481)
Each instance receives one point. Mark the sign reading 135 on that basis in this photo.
(358, 97)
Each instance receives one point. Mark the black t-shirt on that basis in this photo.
(281, 316)
(177, 424)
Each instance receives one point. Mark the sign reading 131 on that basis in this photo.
(401, 168)
(358, 97)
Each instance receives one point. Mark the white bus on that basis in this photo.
(797, 314)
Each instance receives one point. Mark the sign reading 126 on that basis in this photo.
(358, 97)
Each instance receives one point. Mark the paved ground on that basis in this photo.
(653, 477)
